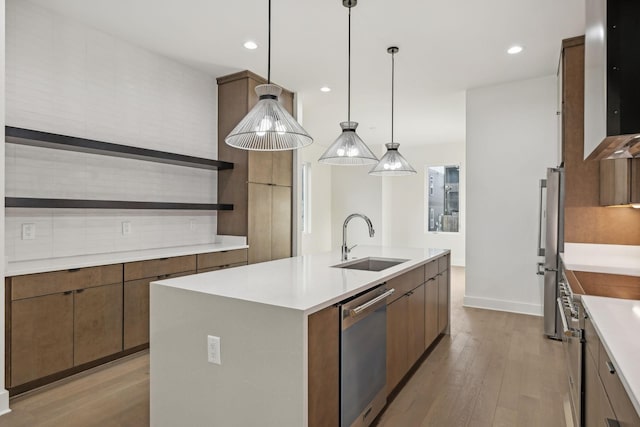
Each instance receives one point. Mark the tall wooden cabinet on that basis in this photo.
(260, 184)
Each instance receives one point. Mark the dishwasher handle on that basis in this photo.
(359, 309)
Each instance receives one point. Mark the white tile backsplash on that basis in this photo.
(64, 77)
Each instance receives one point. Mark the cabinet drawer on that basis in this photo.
(430, 269)
(159, 267)
(205, 270)
(33, 285)
(620, 402)
(219, 259)
(593, 342)
(406, 282)
(443, 263)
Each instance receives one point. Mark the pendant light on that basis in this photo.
(348, 149)
(392, 163)
(268, 126)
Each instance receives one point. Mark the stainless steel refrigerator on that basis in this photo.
(550, 244)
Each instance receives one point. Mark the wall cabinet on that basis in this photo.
(619, 181)
(60, 320)
(260, 213)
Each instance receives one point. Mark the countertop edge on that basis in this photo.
(627, 387)
(19, 268)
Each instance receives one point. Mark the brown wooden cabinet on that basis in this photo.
(324, 368)
(443, 301)
(397, 341)
(597, 408)
(41, 341)
(619, 181)
(97, 328)
(218, 260)
(431, 311)
(61, 320)
(261, 214)
(138, 275)
(625, 412)
(415, 325)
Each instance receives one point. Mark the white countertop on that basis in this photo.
(226, 243)
(611, 259)
(617, 322)
(307, 283)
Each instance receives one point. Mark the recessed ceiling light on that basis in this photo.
(250, 45)
(325, 89)
(514, 49)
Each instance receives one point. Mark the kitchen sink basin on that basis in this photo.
(371, 263)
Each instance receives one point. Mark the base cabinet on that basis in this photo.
(397, 342)
(443, 301)
(41, 337)
(431, 302)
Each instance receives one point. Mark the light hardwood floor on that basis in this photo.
(495, 369)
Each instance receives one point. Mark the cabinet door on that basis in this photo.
(98, 323)
(41, 336)
(397, 325)
(430, 311)
(443, 301)
(260, 169)
(260, 212)
(283, 168)
(415, 345)
(281, 222)
(136, 313)
(596, 408)
(324, 368)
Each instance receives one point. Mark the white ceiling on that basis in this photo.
(446, 47)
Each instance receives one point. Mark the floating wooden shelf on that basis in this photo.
(36, 138)
(28, 202)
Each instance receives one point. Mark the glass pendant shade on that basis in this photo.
(348, 149)
(392, 163)
(268, 126)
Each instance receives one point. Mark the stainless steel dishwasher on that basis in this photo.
(363, 357)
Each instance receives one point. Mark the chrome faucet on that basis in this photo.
(345, 248)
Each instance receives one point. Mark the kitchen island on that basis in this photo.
(261, 315)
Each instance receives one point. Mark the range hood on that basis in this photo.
(612, 79)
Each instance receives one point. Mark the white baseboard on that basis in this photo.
(503, 305)
(4, 402)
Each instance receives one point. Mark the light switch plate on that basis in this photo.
(28, 231)
(213, 350)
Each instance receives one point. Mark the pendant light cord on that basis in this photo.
(393, 68)
(348, 72)
(269, 48)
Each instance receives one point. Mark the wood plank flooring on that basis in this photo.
(495, 369)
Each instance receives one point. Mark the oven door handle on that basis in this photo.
(569, 332)
(359, 309)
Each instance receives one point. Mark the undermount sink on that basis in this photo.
(371, 263)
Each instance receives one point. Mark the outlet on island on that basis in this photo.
(126, 228)
(28, 231)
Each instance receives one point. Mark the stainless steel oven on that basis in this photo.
(573, 320)
(363, 357)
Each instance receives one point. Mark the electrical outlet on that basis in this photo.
(213, 350)
(28, 231)
(192, 225)
(126, 228)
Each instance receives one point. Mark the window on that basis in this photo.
(442, 198)
(306, 197)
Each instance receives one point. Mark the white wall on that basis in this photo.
(511, 140)
(67, 78)
(403, 202)
(4, 396)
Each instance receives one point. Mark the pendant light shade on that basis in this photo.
(392, 163)
(349, 149)
(268, 126)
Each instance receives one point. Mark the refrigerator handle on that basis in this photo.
(543, 185)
